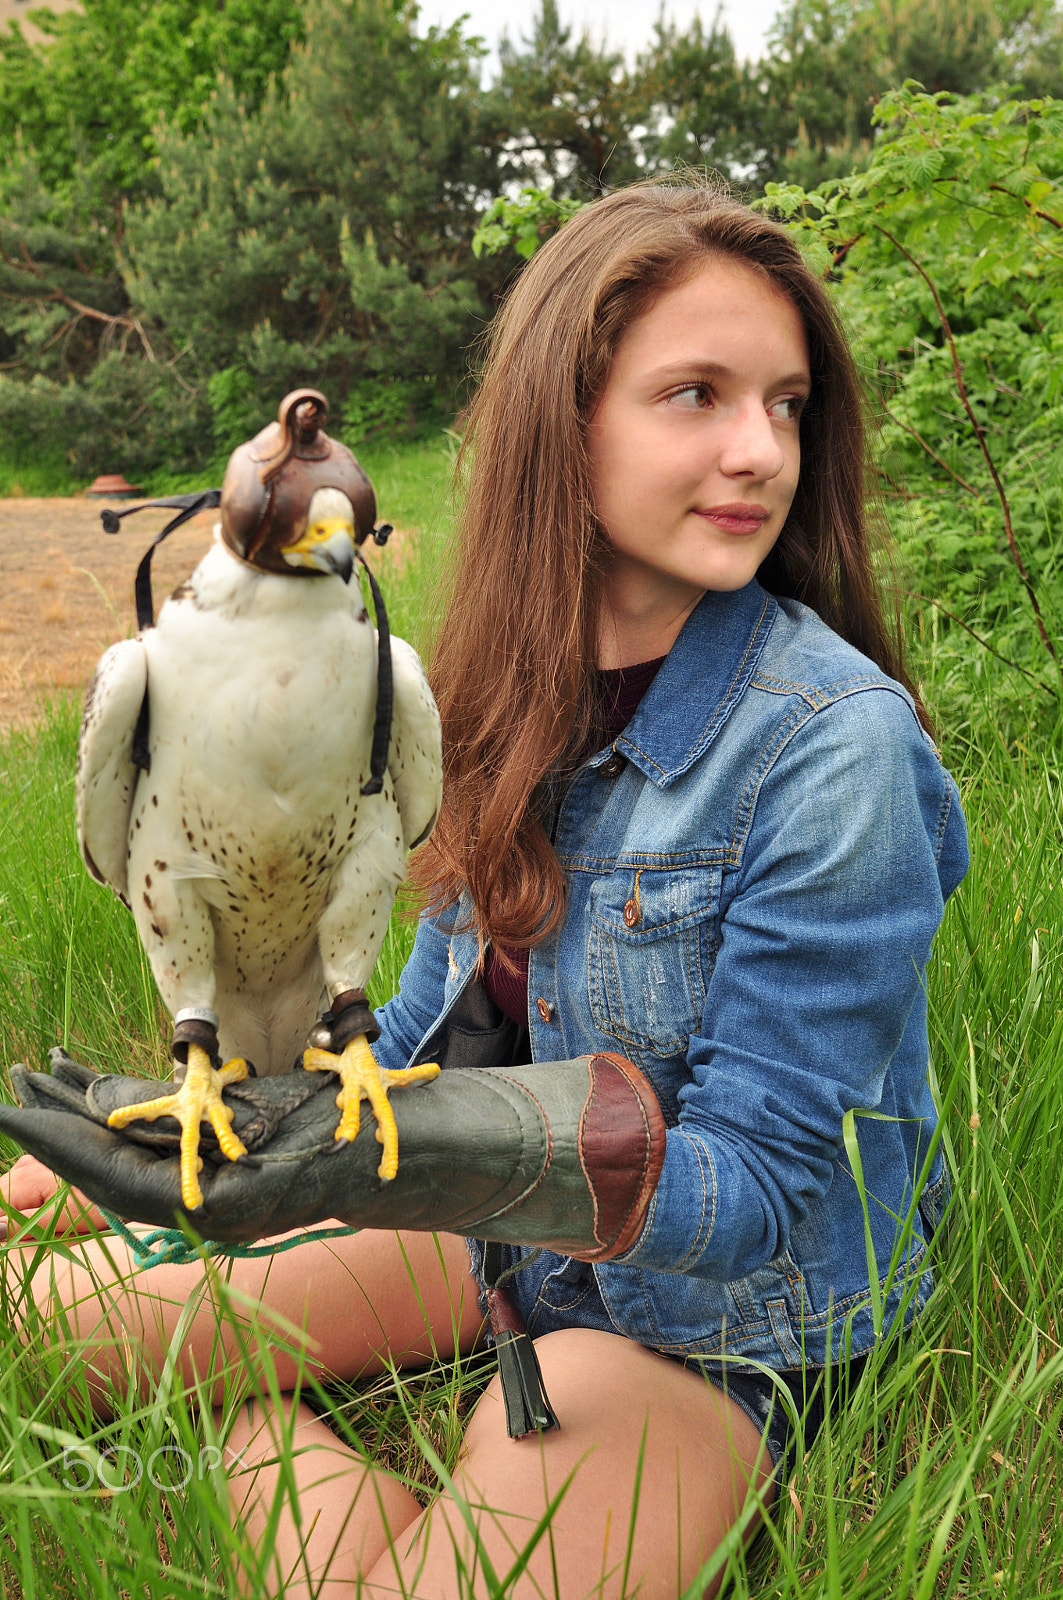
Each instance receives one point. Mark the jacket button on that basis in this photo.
(632, 913)
(545, 1009)
(613, 767)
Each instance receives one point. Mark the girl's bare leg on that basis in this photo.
(343, 1307)
(651, 1464)
(645, 1443)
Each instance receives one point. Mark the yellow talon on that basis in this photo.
(197, 1099)
(360, 1075)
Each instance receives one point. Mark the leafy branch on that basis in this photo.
(38, 293)
(1045, 216)
(979, 433)
(521, 224)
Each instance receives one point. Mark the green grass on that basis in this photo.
(943, 1477)
(414, 492)
(42, 472)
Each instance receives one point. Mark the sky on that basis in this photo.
(626, 24)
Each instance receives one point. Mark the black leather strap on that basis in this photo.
(187, 505)
(385, 694)
(528, 1408)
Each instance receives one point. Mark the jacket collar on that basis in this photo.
(703, 677)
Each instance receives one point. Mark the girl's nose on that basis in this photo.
(752, 447)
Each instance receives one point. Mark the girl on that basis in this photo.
(692, 815)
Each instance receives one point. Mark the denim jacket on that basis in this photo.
(754, 889)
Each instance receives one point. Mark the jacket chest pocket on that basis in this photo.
(652, 949)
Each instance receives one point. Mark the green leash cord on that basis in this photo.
(175, 1249)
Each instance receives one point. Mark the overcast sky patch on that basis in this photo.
(626, 24)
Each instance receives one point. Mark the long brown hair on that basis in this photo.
(513, 666)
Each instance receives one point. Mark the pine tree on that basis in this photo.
(563, 109)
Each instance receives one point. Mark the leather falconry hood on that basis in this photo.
(270, 482)
(265, 503)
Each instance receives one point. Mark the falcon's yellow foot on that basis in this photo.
(197, 1100)
(360, 1075)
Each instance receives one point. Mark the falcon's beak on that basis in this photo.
(326, 546)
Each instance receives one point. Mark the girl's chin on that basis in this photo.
(731, 565)
(722, 571)
(725, 578)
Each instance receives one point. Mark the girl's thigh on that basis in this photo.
(341, 1306)
(651, 1468)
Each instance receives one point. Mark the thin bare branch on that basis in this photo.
(63, 328)
(933, 454)
(171, 366)
(913, 594)
(31, 265)
(105, 317)
(840, 251)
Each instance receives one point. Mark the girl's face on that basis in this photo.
(694, 444)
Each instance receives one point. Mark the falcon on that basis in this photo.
(239, 788)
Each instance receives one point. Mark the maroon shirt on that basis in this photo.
(622, 688)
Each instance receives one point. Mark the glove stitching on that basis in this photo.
(545, 1129)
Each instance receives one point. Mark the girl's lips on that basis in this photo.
(737, 518)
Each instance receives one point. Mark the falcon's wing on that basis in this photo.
(415, 760)
(106, 776)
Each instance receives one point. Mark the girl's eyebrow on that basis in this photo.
(714, 372)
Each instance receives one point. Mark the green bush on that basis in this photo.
(947, 256)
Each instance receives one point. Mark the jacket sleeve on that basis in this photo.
(854, 843)
(406, 1018)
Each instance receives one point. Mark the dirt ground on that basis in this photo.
(66, 590)
(10, 10)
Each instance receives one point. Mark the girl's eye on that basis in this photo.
(789, 409)
(694, 397)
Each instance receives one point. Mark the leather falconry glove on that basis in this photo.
(563, 1154)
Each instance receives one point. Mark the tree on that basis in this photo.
(61, 293)
(698, 105)
(87, 102)
(1033, 49)
(325, 238)
(563, 109)
(830, 61)
(321, 237)
(78, 141)
(953, 45)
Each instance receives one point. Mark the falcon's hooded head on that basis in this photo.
(295, 501)
(328, 542)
